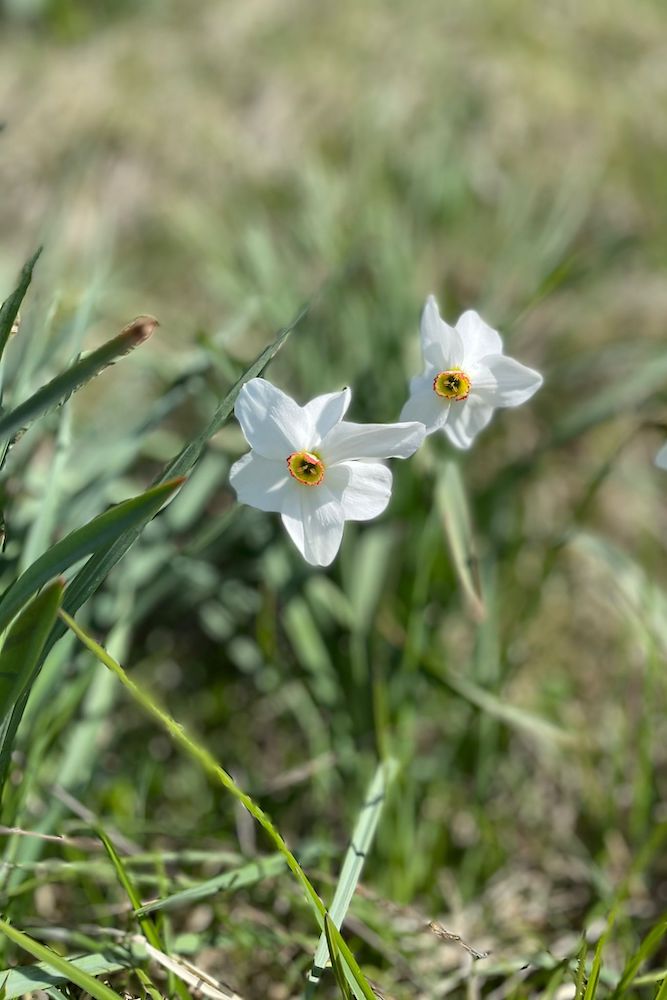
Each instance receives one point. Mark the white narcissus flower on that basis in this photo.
(312, 467)
(466, 377)
(661, 457)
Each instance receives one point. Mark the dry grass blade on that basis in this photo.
(200, 982)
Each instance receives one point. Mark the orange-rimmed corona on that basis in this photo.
(306, 467)
(452, 384)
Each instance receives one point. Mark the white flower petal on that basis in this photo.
(478, 337)
(466, 420)
(292, 517)
(273, 424)
(425, 405)
(442, 346)
(261, 482)
(314, 520)
(325, 412)
(506, 382)
(661, 458)
(363, 488)
(348, 440)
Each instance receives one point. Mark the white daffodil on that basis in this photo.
(466, 377)
(314, 469)
(661, 457)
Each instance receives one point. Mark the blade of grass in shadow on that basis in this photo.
(72, 973)
(594, 975)
(362, 838)
(580, 976)
(176, 731)
(83, 541)
(647, 948)
(62, 386)
(66, 552)
(24, 643)
(10, 307)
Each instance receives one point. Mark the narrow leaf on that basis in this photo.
(453, 507)
(147, 926)
(238, 878)
(178, 734)
(362, 838)
(24, 643)
(73, 973)
(10, 307)
(30, 978)
(86, 368)
(82, 542)
(336, 965)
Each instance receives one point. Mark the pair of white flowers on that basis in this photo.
(318, 470)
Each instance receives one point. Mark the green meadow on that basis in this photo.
(451, 743)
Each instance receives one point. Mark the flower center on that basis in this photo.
(453, 384)
(306, 467)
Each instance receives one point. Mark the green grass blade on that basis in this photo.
(210, 765)
(453, 506)
(594, 975)
(10, 307)
(580, 976)
(24, 643)
(201, 755)
(238, 878)
(63, 385)
(662, 992)
(646, 949)
(29, 978)
(69, 971)
(82, 542)
(362, 838)
(147, 926)
(336, 964)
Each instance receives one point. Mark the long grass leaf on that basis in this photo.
(68, 970)
(81, 542)
(360, 845)
(453, 506)
(24, 643)
(85, 369)
(336, 964)
(177, 732)
(238, 878)
(124, 878)
(200, 754)
(647, 948)
(10, 307)
(30, 978)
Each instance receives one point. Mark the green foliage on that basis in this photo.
(23, 644)
(500, 632)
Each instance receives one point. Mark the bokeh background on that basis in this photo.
(218, 164)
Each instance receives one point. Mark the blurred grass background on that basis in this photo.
(218, 164)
